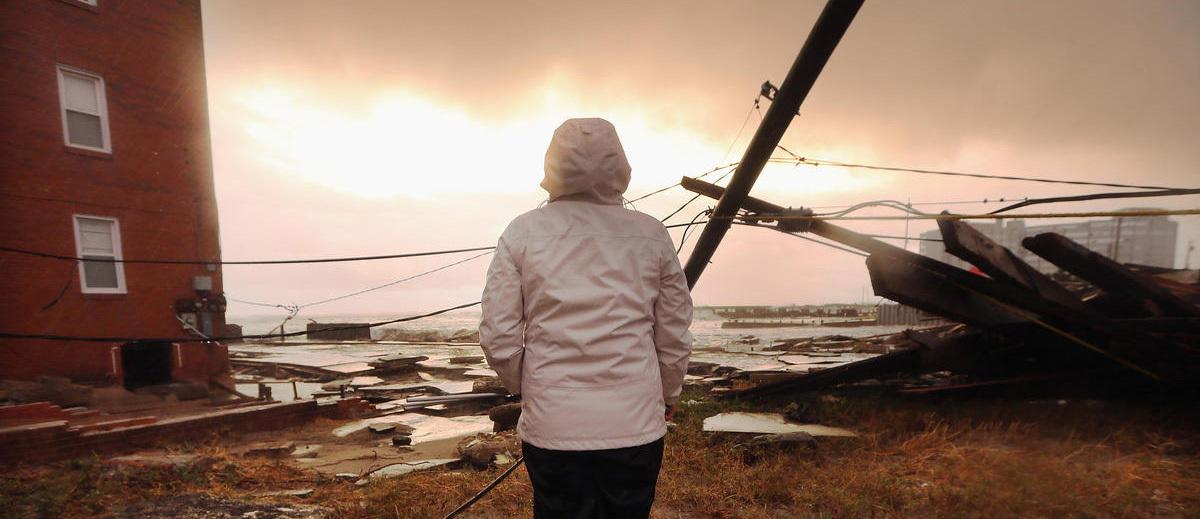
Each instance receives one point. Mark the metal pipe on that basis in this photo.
(828, 30)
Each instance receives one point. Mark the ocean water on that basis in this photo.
(706, 327)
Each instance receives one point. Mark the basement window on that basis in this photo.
(84, 110)
(99, 239)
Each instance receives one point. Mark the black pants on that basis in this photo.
(585, 484)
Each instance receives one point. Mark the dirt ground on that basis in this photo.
(915, 457)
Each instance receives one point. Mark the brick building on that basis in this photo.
(105, 154)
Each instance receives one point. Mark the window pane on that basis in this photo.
(96, 237)
(81, 93)
(95, 225)
(84, 130)
(99, 274)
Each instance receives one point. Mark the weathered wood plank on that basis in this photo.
(1108, 275)
(904, 282)
(972, 246)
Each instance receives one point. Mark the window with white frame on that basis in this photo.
(84, 110)
(99, 239)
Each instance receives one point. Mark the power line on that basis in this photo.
(803, 237)
(1000, 200)
(256, 303)
(693, 199)
(1098, 196)
(393, 283)
(257, 262)
(1030, 216)
(683, 238)
(810, 161)
(672, 186)
(231, 338)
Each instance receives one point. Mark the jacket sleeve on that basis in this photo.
(502, 327)
(672, 317)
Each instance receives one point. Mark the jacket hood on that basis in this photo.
(585, 161)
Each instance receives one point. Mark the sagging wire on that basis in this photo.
(1000, 200)
(254, 262)
(693, 199)
(893, 204)
(688, 227)
(1097, 196)
(956, 217)
(675, 185)
(227, 338)
(802, 237)
(396, 282)
(811, 161)
(70, 279)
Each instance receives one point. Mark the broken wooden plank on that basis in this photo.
(1146, 354)
(967, 243)
(888, 364)
(1108, 275)
(904, 282)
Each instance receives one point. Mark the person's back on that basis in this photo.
(585, 314)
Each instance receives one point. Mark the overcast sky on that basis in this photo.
(355, 127)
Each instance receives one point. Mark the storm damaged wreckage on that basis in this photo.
(1096, 323)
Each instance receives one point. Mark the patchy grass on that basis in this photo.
(917, 457)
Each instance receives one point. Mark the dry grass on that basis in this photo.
(915, 458)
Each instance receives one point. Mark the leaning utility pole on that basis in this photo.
(825, 35)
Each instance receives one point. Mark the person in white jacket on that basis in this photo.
(585, 315)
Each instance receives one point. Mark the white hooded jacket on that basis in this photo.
(586, 310)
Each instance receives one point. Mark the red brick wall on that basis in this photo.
(157, 181)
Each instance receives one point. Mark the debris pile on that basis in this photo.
(1121, 324)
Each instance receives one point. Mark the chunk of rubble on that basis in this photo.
(481, 450)
(464, 335)
(425, 428)
(408, 467)
(381, 428)
(767, 423)
(202, 505)
(306, 451)
(765, 445)
(488, 385)
(798, 438)
(270, 450)
(58, 390)
(505, 417)
(396, 363)
(365, 381)
(164, 460)
(300, 492)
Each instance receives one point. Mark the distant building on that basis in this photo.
(105, 154)
(1145, 240)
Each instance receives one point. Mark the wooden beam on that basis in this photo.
(1108, 275)
(967, 243)
(904, 282)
